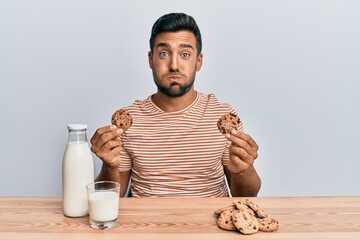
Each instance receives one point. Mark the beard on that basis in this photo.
(175, 89)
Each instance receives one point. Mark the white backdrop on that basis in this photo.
(290, 68)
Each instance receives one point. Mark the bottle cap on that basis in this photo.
(77, 127)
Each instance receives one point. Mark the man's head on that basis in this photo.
(175, 54)
(174, 22)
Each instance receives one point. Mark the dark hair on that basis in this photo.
(173, 22)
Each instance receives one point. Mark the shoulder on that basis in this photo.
(216, 109)
(139, 106)
(214, 104)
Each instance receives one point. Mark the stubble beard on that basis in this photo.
(171, 91)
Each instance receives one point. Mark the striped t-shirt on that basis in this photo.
(176, 154)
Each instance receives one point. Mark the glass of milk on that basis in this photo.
(103, 200)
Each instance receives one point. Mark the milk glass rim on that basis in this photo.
(91, 186)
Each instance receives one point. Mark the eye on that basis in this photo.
(185, 55)
(164, 54)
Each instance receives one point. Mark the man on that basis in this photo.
(173, 148)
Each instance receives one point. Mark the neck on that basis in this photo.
(174, 104)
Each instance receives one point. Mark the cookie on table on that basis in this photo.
(228, 122)
(225, 220)
(122, 119)
(245, 222)
(268, 224)
(220, 210)
(260, 213)
(242, 206)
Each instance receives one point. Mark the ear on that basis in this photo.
(199, 61)
(150, 55)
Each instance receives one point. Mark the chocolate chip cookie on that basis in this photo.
(245, 222)
(225, 220)
(228, 122)
(122, 119)
(246, 216)
(260, 213)
(242, 206)
(268, 224)
(220, 210)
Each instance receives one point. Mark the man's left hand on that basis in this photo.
(242, 151)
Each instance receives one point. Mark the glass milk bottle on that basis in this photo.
(77, 172)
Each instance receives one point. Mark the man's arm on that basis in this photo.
(108, 174)
(240, 171)
(245, 184)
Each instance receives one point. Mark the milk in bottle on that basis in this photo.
(77, 171)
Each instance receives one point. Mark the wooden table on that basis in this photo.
(150, 218)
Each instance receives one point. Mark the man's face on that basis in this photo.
(174, 62)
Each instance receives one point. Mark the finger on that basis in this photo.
(244, 149)
(243, 140)
(109, 145)
(100, 140)
(114, 134)
(110, 158)
(236, 165)
(243, 154)
(100, 131)
(104, 153)
(106, 129)
(246, 137)
(235, 140)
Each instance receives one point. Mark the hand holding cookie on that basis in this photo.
(106, 143)
(243, 149)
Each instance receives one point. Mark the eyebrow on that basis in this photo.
(184, 45)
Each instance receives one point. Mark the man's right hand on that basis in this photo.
(106, 145)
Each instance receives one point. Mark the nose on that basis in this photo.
(174, 63)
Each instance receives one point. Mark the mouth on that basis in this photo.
(174, 77)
